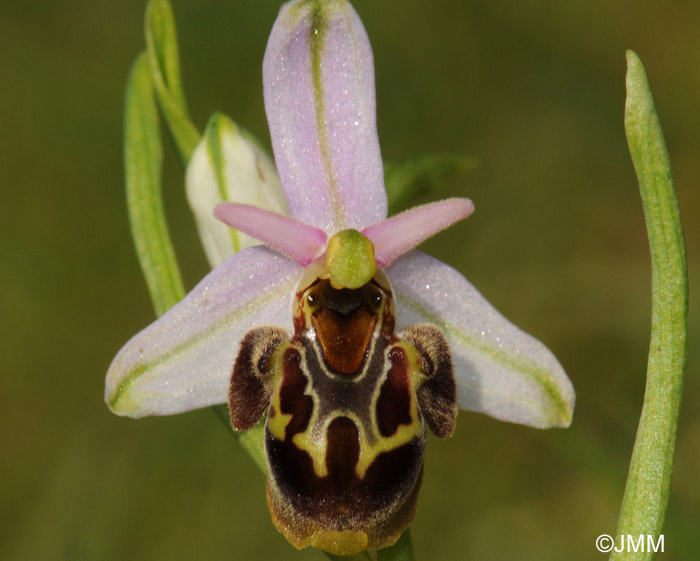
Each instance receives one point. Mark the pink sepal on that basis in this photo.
(318, 81)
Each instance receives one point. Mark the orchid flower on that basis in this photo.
(219, 343)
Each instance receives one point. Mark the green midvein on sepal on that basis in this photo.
(318, 32)
(217, 126)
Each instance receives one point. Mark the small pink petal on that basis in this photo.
(318, 81)
(298, 241)
(401, 233)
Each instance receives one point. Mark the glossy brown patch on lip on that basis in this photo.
(293, 401)
(343, 451)
(394, 403)
(395, 471)
(344, 339)
(391, 476)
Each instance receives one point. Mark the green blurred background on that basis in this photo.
(534, 90)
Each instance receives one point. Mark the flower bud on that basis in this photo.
(229, 166)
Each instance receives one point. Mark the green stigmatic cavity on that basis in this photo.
(350, 259)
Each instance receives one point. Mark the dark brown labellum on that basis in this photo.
(347, 400)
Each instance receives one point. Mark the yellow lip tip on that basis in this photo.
(345, 542)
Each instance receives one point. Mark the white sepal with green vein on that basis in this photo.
(500, 370)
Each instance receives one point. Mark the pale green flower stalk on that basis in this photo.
(649, 478)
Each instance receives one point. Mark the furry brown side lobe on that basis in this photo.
(437, 395)
(250, 391)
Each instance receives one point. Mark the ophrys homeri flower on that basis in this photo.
(346, 336)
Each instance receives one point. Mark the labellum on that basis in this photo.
(348, 399)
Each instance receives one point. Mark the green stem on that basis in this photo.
(649, 478)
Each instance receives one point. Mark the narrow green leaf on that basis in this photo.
(649, 478)
(161, 41)
(407, 180)
(402, 550)
(142, 161)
